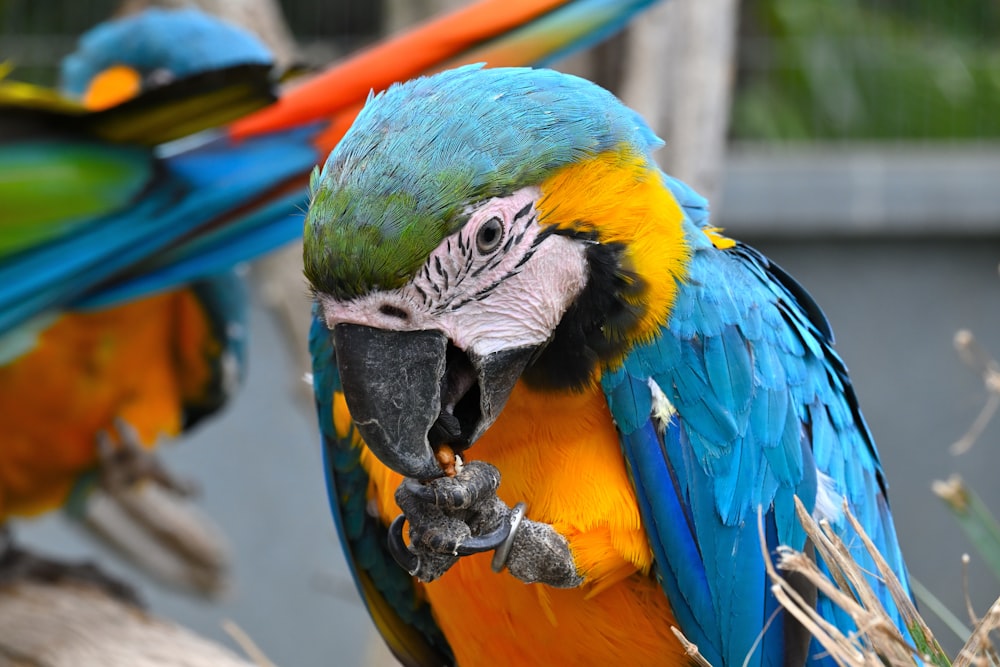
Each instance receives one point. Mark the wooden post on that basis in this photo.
(678, 74)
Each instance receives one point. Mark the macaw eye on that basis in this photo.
(489, 235)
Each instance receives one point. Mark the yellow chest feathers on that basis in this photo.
(558, 453)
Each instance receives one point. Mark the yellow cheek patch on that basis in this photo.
(112, 86)
(620, 197)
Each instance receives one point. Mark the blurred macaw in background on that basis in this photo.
(528, 340)
(119, 316)
(79, 388)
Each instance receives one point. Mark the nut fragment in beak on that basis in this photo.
(445, 456)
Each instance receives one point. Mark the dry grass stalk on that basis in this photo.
(877, 642)
(245, 642)
(903, 602)
(691, 649)
(979, 649)
(977, 358)
(875, 635)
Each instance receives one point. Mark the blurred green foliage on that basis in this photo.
(869, 69)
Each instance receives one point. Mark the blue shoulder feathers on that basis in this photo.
(740, 404)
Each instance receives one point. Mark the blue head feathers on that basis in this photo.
(180, 41)
(420, 153)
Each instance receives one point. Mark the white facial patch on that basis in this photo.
(499, 282)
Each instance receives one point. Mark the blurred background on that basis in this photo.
(855, 142)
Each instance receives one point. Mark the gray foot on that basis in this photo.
(451, 517)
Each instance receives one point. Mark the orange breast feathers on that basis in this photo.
(134, 362)
(560, 455)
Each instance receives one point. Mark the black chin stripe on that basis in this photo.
(596, 327)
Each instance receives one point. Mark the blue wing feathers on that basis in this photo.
(730, 371)
(634, 396)
(731, 565)
(764, 412)
(264, 229)
(196, 188)
(679, 563)
(784, 455)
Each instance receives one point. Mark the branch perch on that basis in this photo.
(76, 626)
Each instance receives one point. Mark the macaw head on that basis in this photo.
(481, 227)
(119, 59)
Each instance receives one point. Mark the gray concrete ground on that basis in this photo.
(894, 307)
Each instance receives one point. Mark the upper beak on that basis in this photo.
(410, 391)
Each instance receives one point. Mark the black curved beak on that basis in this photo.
(410, 391)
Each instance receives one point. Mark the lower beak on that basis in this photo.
(411, 391)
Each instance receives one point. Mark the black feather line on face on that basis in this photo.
(423, 295)
(596, 326)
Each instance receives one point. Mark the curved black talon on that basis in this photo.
(405, 558)
(488, 542)
(424, 492)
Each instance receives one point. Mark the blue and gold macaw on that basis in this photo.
(530, 341)
(106, 227)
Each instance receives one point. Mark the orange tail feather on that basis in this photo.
(347, 84)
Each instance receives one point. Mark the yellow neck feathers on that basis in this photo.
(621, 198)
